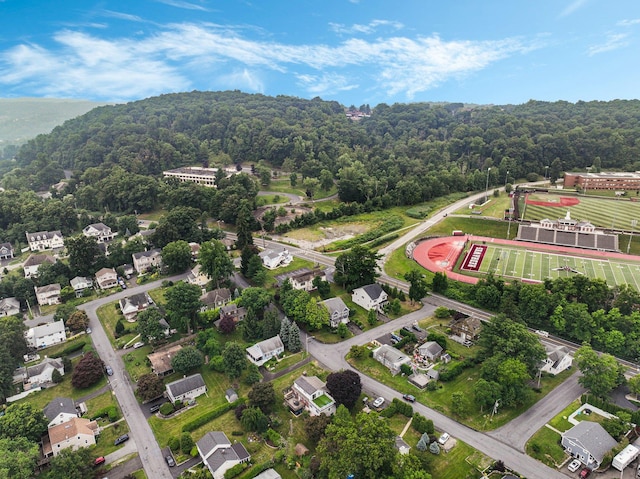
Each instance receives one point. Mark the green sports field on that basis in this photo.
(522, 263)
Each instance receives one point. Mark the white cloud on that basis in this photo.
(573, 7)
(184, 5)
(367, 29)
(613, 42)
(122, 16)
(629, 22)
(124, 68)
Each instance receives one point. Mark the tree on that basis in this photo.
(323, 287)
(84, 255)
(255, 298)
(316, 315)
(418, 288)
(439, 283)
(600, 373)
(69, 464)
(356, 268)
(215, 261)
(253, 419)
(12, 336)
(256, 271)
(295, 344)
(315, 426)
(88, 371)
(78, 321)
(486, 393)
(263, 396)
(150, 387)
(56, 377)
(253, 375)
(186, 443)
(176, 256)
(227, 325)
(285, 326)
(64, 312)
(183, 303)
(634, 385)
(187, 359)
(234, 359)
(148, 325)
(244, 222)
(345, 387)
(423, 443)
(23, 420)
(18, 458)
(459, 404)
(363, 446)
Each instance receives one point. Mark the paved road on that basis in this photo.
(149, 451)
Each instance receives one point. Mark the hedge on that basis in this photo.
(235, 470)
(70, 349)
(210, 416)
(110, 411)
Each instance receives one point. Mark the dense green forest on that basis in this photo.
(402, 154)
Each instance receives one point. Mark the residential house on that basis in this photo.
(195, 249)
(219, 455)
(261, 352)
(161, 360)
(216, 299)
(430, 350)
(107, 278)
(132, 305)
(276, 257)
(9, 307)
(75, 433)
(303, 279)
(43, 240)
(313, 395)
(198, 277)
(60, 410)
(46, 335)
(558, 359)
(589, 442)
(236, 313)
(6, 251)
(80, 284)
(402, 446)
(391, 358)
(33, 263)
(48, 295)
(186, 389)
(371, 296)
(101, 232)
(128, 270)
(338, 311)
(467, 329)
(39, 374)
(145, 260)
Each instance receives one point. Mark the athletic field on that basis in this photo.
(527, 264)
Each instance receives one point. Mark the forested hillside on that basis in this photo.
(402, 154)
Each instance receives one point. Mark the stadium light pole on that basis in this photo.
(633, 225)
(506, 178)
(546, 171)
(486, 188)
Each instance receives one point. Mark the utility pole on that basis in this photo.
(486, 188)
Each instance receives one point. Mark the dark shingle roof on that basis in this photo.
(184, 385)
(59, 405)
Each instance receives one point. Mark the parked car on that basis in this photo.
(417, 328)
(409, 397)
(396, 337)
(99, 461)
(88, 331)
(170, 461)
(378, 402)
(574, 466)
(108, 370)
(444, 438)
(586, 472)
(155, 408)
(137, 345)
(406, 328)
(121, 439)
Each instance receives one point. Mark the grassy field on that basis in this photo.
(529, 264)
(545, 446)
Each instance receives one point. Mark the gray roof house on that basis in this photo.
(145, 260)
(186, 388)
(216, 298)
(33, 263)
(261, 352)
(80, 283)
(231, 395)
(268, 474)
(558, 359)
(132, 305)
(391, 358)
(6, 251)
(371, 296)
(338, 311)
(589, 442)
(219, 455)
(39, 374)
(9, 306)
(101, 232)
(60, 410)
(430, 350)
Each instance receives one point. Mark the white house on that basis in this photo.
(313, 394)
(107, 278)
(46, 335)
(75, 433)
(303, 279)
(186, 388)
(43, 240)
(391, 358)
(338, 311)
(430, 350)
(145, 260)
(48, 295)
(371, 296)
(39, 374)
(132, 305)
(558, 359)
(215, 299)
(6, 251)
(276, 257)
(80, 284)
(33, 263)
(60, 410)
(589, 442)
(198, 277)
(219, 455)
(101, 232)
(9, 307)
(261, 352)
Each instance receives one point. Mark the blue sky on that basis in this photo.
(352, 51)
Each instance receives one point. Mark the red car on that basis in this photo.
(99, 461)
(584, 473)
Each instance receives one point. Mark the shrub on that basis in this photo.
(422, 424)
(174, 444)
(237, 433)
(166, 409)
(235, 470)
(389, 411)
(186, 443)
(431, 386)
(405, 369)
(110, 412)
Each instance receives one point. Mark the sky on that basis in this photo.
(351, 51)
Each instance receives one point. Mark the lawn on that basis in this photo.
(109, 314)
(545, 446)
(275, 198)
(474, 226)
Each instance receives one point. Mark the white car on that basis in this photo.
(574, 466)
(378, 402)
(444, 438)
(137, 345)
